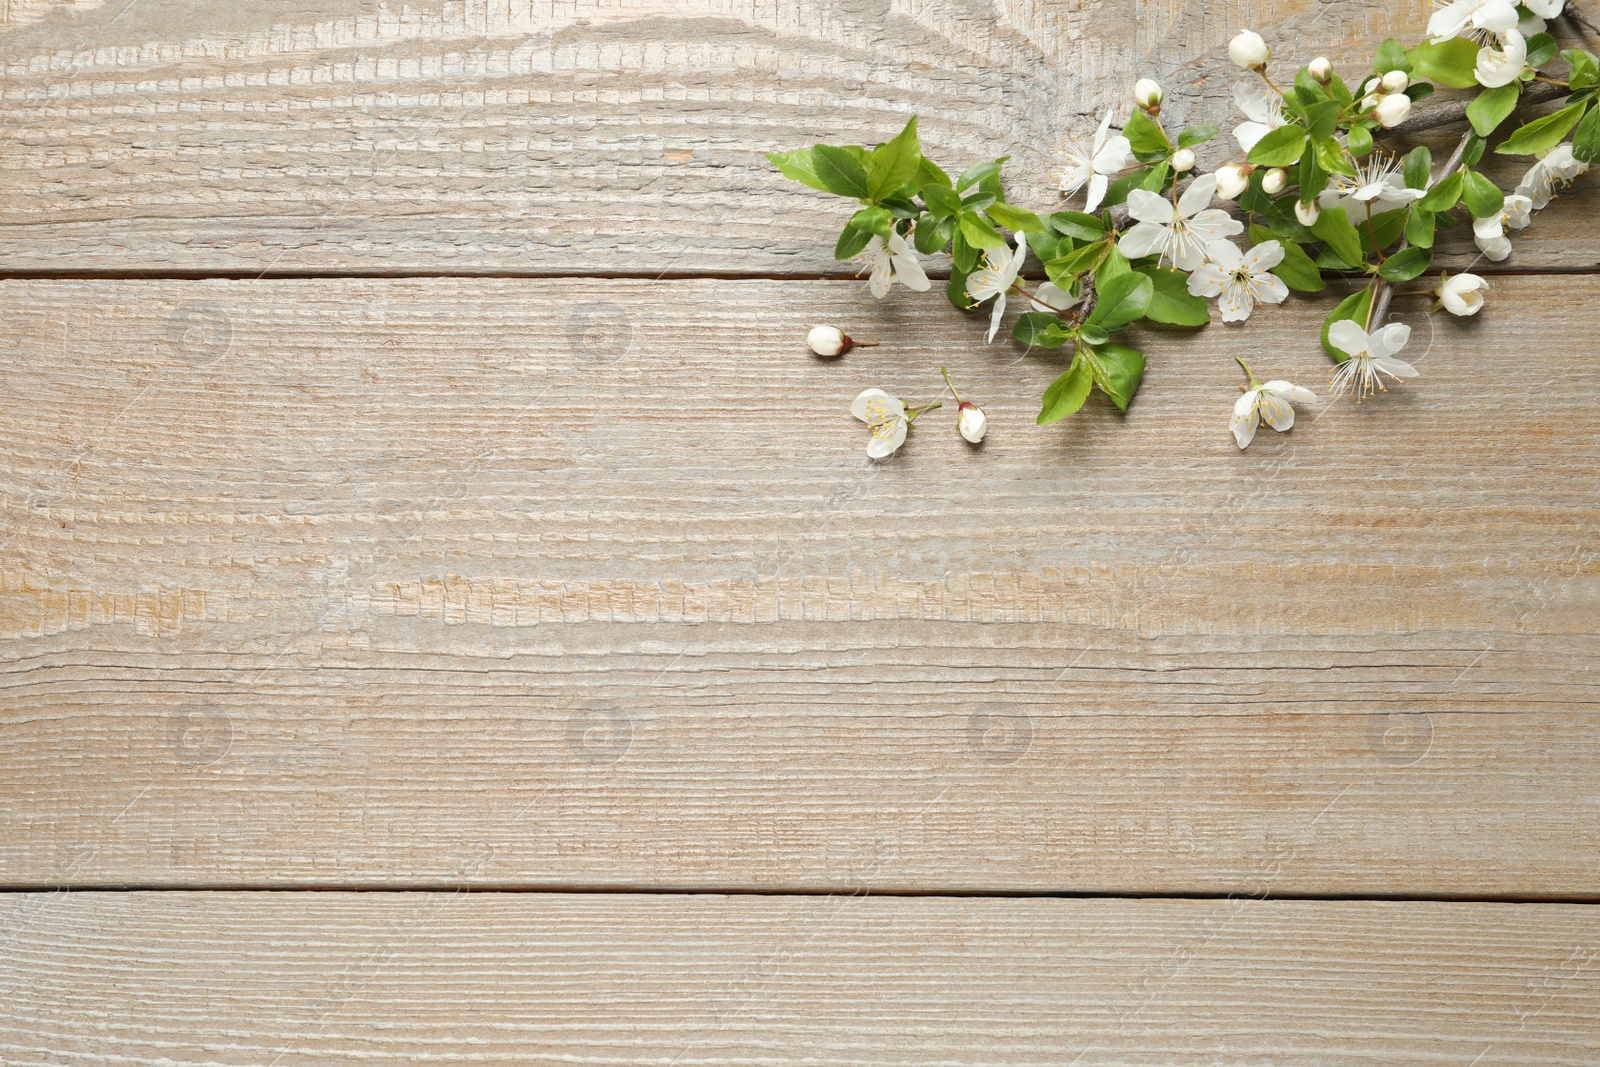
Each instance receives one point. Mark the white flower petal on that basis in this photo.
(1291, 392)
(1113, 155)
(1226, 255)
(1057, 297)
(1497, 67)
(1142, 240)
(1545, 9)
(1496, 248)
(886, 438)
(1249, 134)
(1235, 303)
(1275, 411)
(1245, 419)
(875, 405)
(1146, 206)
(1213, 225)
(1269, 288)
(1098, 184)
(1264, 256)
(1208, 280)
(1397, 368)
(1388, 340)
(1347, 336)
(998, 310)
(1451, 19)
(1198, 195)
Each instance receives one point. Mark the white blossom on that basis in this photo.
(1183, 160)
(1489, 233)
(1148, 94)
(1503, 65)
(1092, 164)
(885, 416)
(1494, 25)
(1378, 183)
(1321, 69)
(1557, 167)
(1268, 403)
(1240, 279)
(1462, 294)
(1233, 179)
(1371, 357)
(1275, 181)
(891, 261)
(1263, 112)
(1395, 81)
(1180, 233)
(995, 279)
(1307, 213)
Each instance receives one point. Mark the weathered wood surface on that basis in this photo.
(255, 978)
(587, 583)
(577, 136)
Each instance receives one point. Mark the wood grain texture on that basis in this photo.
(581, 136)
(575, 583)
(289, 979)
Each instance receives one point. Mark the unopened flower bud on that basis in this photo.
(1321, 69)
(1395, 81)
(1233, 179)
(1183, 160)
(1274, 181)
(1147, 93)
(1393, 109)
(828, 341)
(1248, 51)
(971, 422)
(1308, 214)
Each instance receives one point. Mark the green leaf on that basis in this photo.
(1313, 179)
(798, 166)
(1541, 135)
(962, 254)
(1196, 135)
(942, 202)
(1334, 230)
(930, 173)
(1279, 148)
(1066, 394)
(1114, 265)
(1474, 150)
(1322, 119)
(1118, 371)
(873, 220)
(1382, 230)
(1490, 107)
(1040, 329)
(894, 165)
(1157, 178)
(1118, 193)
(1541, 49)
(1065, 271)
(1586, 142)
(1331, 158)
(1148, 140)
(1405, 264)
(1391, 56)
(1419, 228)
(840, 171)
(1419, 91)
(1353, 307)
(1585, 68)
(1122, 299)
(1481, 196)
(1358, 141)
(1077, 224)
(976, 173)
(1296, 268)
(1092, 335)
(1443, 196)
(1016, 218)
(1170, 299)
(932, 236)
(1453, 62)
(956, 290)
(851, 242)
(979, 233)
(1418, 167)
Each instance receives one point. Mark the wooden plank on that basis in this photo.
(583, 583)
(529, 979)
(579, 136)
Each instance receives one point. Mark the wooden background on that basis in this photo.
(414, 480)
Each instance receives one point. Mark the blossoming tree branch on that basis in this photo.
(1312, 192)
